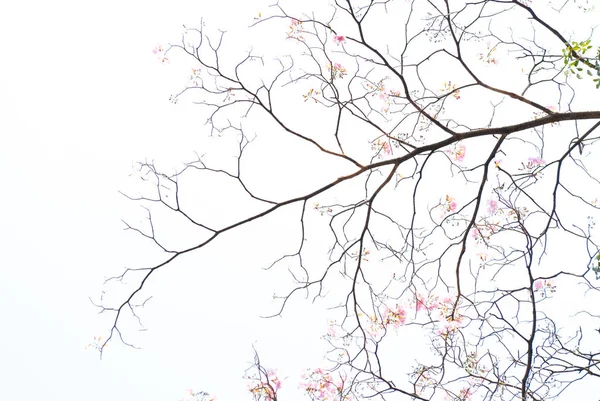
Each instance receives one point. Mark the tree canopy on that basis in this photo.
(432, 167)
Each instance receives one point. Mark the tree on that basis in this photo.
(440, 183)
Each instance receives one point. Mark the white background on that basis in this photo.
(82, 98)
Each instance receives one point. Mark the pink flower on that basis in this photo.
(533, 163)
(339, 39)
(159, 52)
(421, 302)
(460, 152)
(332, 331)
(544, 286)
(536, 161)
(395, 317)
(381, 147)
(465, 394)
(266, 389)
(296, 29)
(450, 204)
(324, 386)
(449, 300)
(338, 71)
(493, 206)
(450, 326)
(275, 382)
(386, 148)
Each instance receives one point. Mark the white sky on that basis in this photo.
(81, 99)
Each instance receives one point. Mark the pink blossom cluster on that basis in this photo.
(382, 148)
(323, 385)
(450, 320)
(337, 71)
(394, 317)
(536, 161)
(492, 206)
(457, 151)
(339, 39)
(375, 327)
(441, 310)
(421, 303)
(160, 53)
(484, 231)
(265, 388)
(451, 325)
(544, 287)
(433, 302)
(386, 97)
(450, 204)
(332, 330)
(533, 163)
(378, 89)
(296, 30)
(465, 394)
